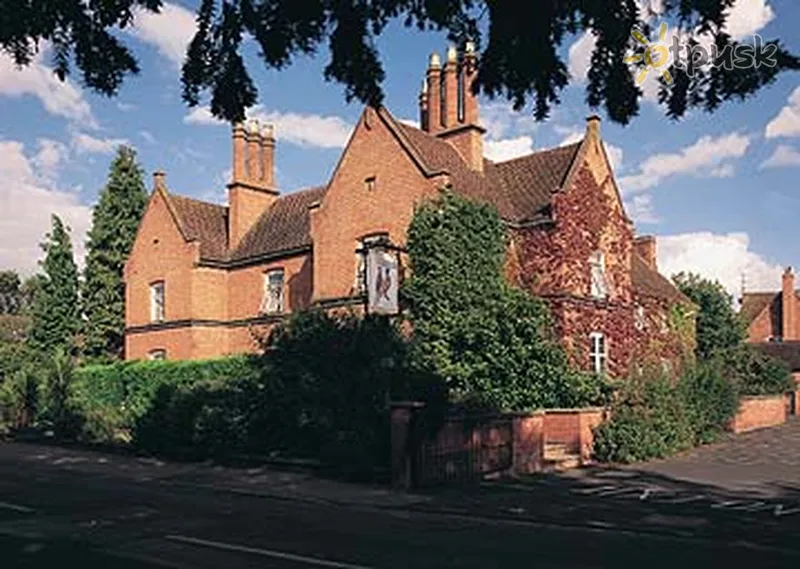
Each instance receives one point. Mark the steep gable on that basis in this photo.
(755, 303)
(205, 223)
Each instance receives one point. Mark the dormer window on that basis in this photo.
(157, 302)
(597, 268)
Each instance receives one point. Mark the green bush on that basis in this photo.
(112, 398)
(756, 373)
(654, 417)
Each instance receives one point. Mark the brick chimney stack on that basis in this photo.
(451, 112)
(645, 247)
(423, 106)
(252, 188)
(788, 306)
(434, 77)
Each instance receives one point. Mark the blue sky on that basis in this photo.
(719, 190)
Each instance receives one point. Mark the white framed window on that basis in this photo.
(158, 354)
(157, 302)
(598, 352)
(272, 299)
(597, 272)
(639, 319)
(361, 259)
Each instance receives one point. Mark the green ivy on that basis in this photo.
(488, 342)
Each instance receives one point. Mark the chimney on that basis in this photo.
(423, 106)
(788, 308)
(251, 191)
(462, 129)
(254, 152)
(159, 180)
(645, 247)
(434, 122)
(593, 126)
(450, 110)
(268, 156)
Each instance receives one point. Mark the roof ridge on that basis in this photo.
(541, 151)
(195, 200)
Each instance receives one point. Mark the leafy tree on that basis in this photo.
(55, 309)
(719, 328)
(521, 57)
(10, 294)
(488, 341)
(114, 223)
(28, 291)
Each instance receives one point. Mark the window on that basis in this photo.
(157, 302)
(638, 317)
(369, 183)
(361, 256)
(158, 354)
(598, 352)
(272, 300)
(597, 264)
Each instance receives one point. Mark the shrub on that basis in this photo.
(756, 373)
(112, 398)
(654, 417)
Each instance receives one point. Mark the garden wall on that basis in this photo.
(757, 412)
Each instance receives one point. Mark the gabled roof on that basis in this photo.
(754, 303)
(649, 282)
(205, 222)
(520, 188)
(283, 227)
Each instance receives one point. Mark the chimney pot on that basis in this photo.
(469, 47)
(159, 178)
(435, 62)
(645, 247)
(452, 54)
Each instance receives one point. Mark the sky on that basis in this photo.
(719, 190)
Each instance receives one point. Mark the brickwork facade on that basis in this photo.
(214, 261)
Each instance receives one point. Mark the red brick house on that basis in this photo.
(202, 278)
(773, 321)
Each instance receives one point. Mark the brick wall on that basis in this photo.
(351, 211)
(759, 412)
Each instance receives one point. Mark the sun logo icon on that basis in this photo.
(655, 55)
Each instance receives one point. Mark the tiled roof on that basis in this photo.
(283, 227)
(754, 303)
(649, 282)
(788, 352)
(205, 222)
(529, 181)
(520, 188)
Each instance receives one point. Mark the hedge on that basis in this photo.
(112, 398)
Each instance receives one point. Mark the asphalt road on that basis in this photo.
(50, 516)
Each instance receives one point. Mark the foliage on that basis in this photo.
(756, 373)
(115, 220)
(487, 341)
(10, 294)
(521, 58)
(14, 328)
(112, 398)
(55, 310)
(652, 417)
(19, 386)
(719, 328)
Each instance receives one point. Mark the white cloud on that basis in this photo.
(722, 171)
(506, 149)
(50, 156)
(147, 136)
(704, 157)
(787, 123)
(295, 128)
(126, 107)
(784, 155)
(580, 55)
(60, 98)
(170, 31)
(86, 144)
(640, 209)
(501, 121)
(26, 203)
(746, 17)
(722, 257)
